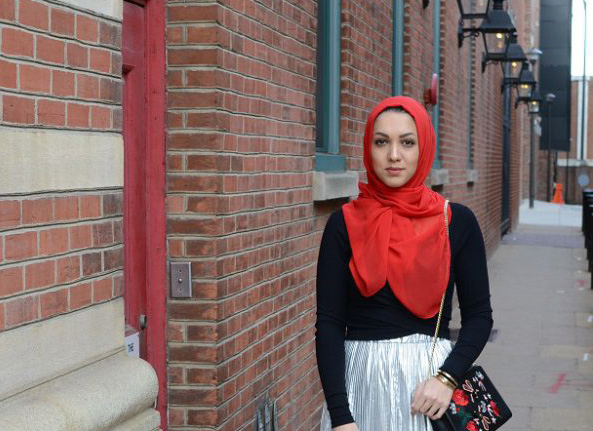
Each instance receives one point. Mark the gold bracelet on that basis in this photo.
(448, 377)
(444, 381)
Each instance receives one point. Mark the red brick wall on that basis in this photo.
(453, 107)
(574, 195)
(518, 124)
(418, 48)
(367, 32)
(574, 114)
(61, 253)
(526, 15)
(524, 117)
(540, 184)
(240, 144)
(60, 68)
(484, 196)
(61, 250)
(240, 154)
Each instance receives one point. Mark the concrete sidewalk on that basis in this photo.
(548, 214)
(541, 357)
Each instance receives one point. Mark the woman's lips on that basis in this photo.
(394, 171)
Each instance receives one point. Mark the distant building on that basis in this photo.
(580, 163)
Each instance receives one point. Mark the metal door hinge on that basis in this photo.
(142, 321)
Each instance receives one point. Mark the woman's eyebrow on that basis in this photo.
(405, 135)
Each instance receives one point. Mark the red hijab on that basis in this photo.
(398, 234)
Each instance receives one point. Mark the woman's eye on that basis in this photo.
(409, 143)
(380, 141)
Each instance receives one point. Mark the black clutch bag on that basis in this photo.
(476, 405)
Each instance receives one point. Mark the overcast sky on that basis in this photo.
(578, 36)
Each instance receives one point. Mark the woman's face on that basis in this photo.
(394, 148)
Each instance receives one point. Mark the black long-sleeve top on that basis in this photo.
(344, 314)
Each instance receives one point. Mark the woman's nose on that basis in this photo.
(394, 152)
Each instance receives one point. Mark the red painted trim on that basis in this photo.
(155, 186)
(135, 121)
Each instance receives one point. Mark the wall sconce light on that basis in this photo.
(533, 55)
(468, 10)
(512, 63)
(526, 87)
(526, 84)
(496, 29)
(534, 103)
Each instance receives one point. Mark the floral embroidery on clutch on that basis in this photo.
(473, 405)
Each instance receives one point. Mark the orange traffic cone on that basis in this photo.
(557, 199)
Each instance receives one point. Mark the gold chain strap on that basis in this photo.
(434, 340)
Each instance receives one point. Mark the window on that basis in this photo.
(397, 74)
(327, 144)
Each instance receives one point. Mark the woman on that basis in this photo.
(385, 261)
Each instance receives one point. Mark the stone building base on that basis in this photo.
(71, 373)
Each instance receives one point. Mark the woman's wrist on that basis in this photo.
(444, 382)
(447, 381)
(448, 376)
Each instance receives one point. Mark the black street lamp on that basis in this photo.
(515, 57)
(496, 29)
(533, 56)
(526, 84)
(533, 107)
(534, 104)
(469, 10)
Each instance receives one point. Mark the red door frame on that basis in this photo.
(155, 252)
(134, 74)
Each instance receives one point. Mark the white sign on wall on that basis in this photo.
(133, 344)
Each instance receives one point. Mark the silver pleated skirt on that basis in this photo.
(380, 380)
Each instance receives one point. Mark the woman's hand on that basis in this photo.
(431, 398)
(348, 427)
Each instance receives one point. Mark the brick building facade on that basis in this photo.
(580, 161)
(61, 214)
(211, 162)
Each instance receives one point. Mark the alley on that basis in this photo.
(541, 355)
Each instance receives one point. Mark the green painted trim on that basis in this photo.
(330, 162)
(397, 62)
(436, 31)
(470, 97)
(328, 78)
